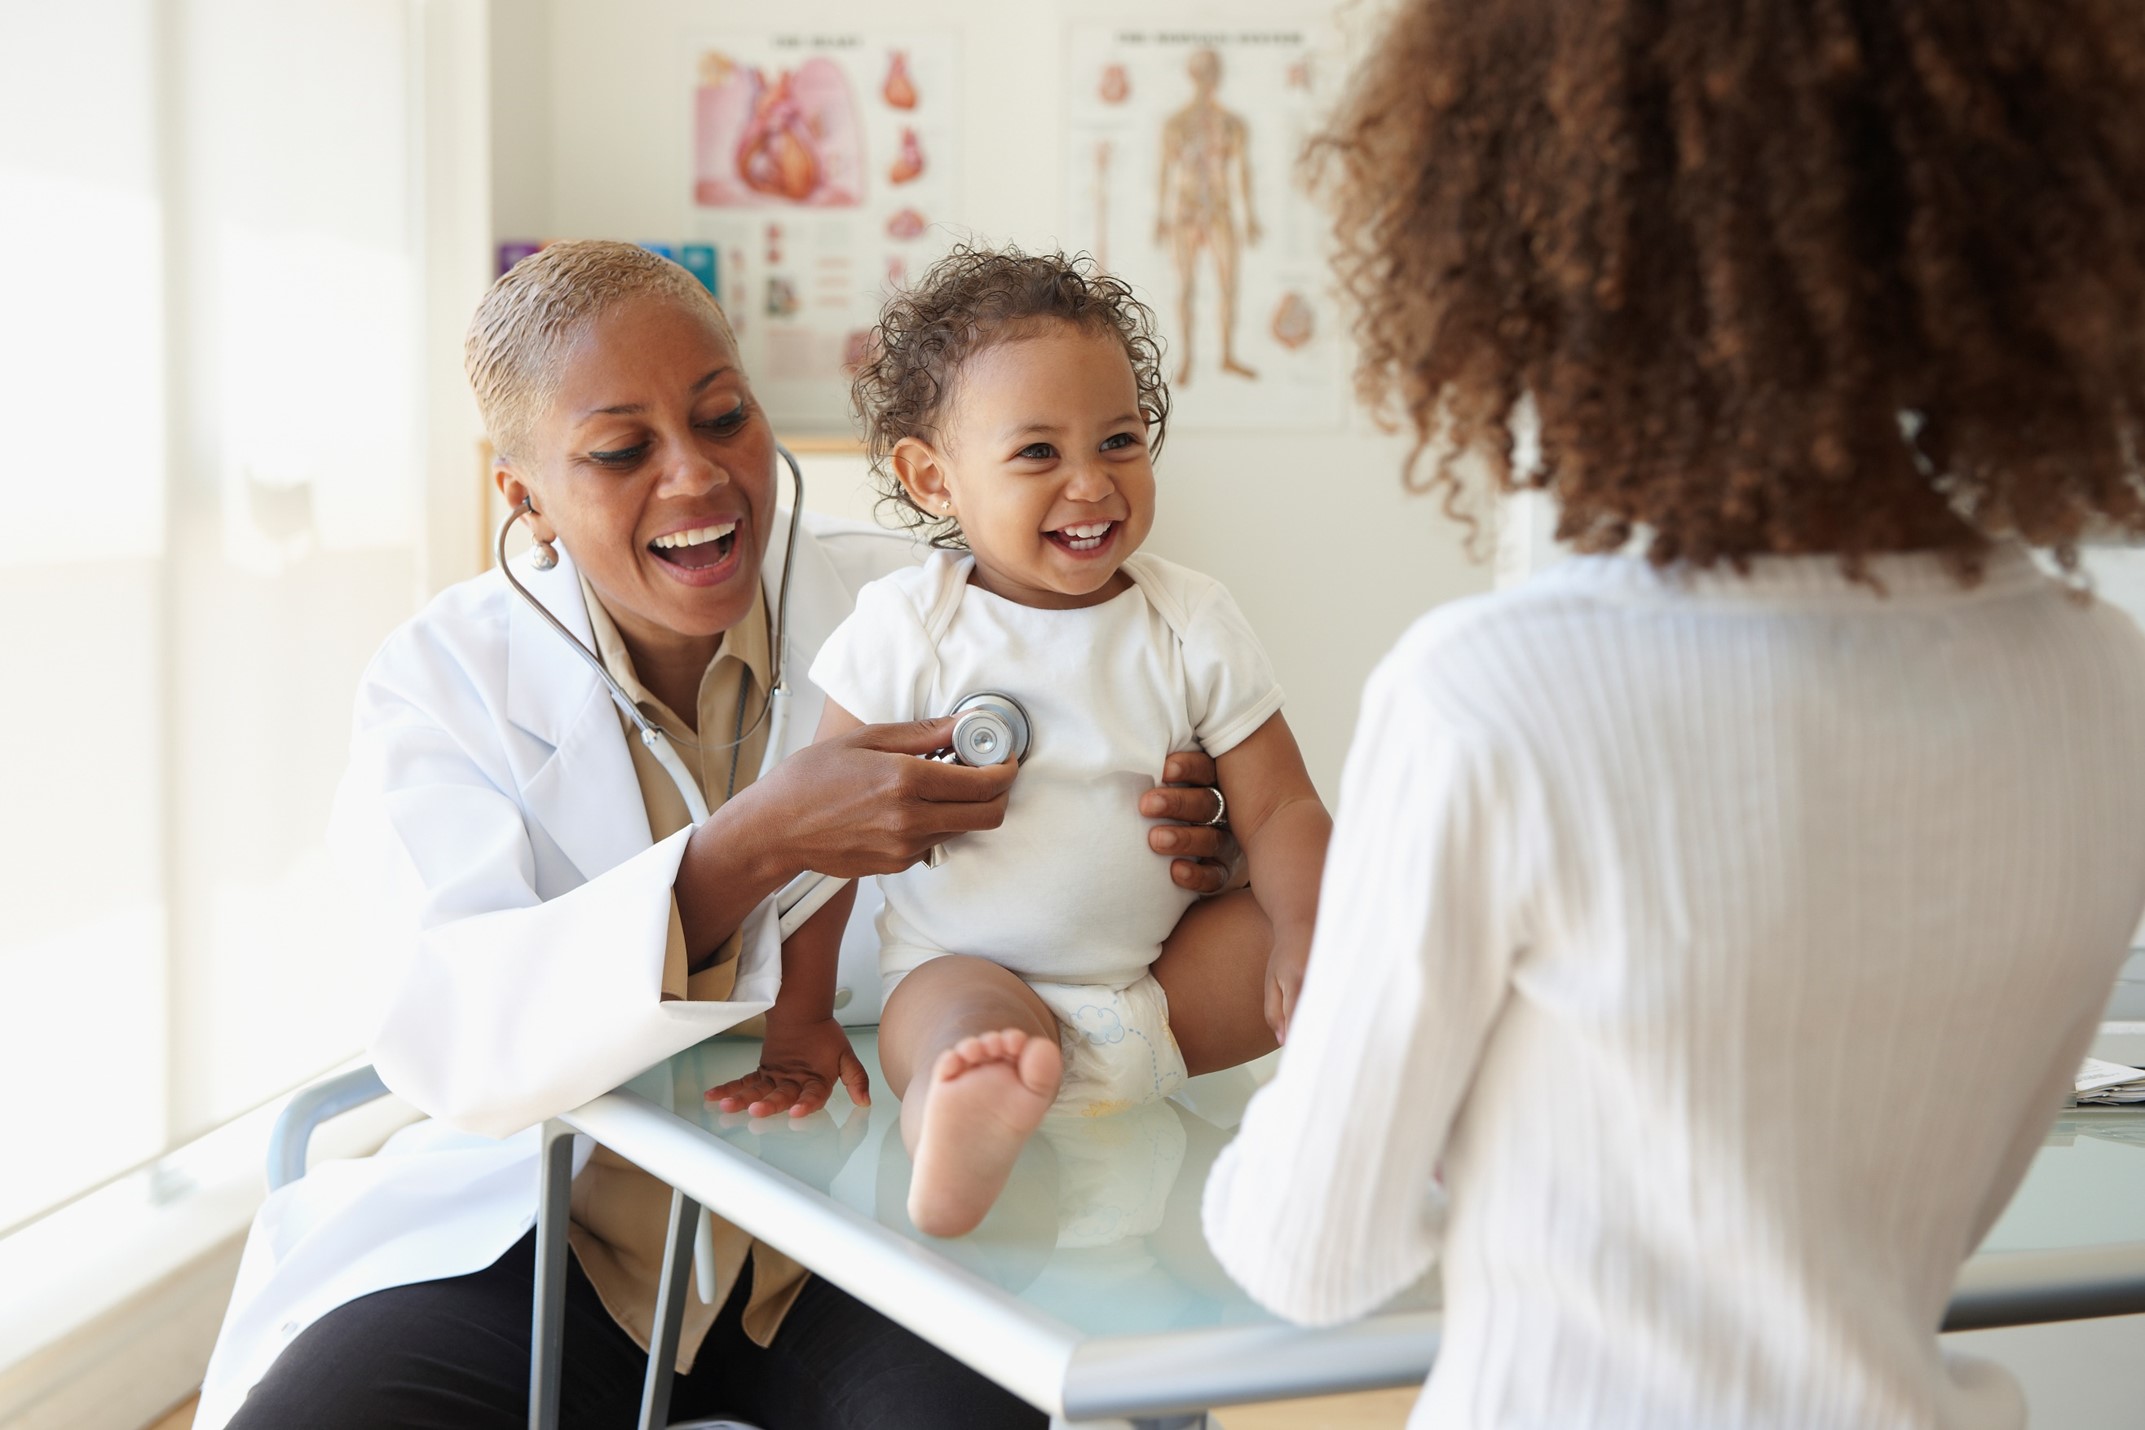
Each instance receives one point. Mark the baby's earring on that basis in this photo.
(543, 555)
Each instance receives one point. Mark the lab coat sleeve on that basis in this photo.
(500, 1008)
(1327, 1203)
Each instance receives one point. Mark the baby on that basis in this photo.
(1013, 407)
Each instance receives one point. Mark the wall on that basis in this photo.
(1311, 530)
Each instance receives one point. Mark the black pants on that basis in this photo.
(454, 1355)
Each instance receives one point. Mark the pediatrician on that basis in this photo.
(550, 917)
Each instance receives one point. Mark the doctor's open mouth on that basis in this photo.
(698, 554)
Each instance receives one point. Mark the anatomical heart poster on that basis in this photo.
(1182, 178)
(824, 171)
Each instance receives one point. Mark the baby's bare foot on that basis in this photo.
(984, 1097)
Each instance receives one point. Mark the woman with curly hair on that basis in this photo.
(1715, 922)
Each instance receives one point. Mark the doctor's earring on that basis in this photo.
(543, 555)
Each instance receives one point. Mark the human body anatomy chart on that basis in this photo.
(1183, 181)
(823, 170)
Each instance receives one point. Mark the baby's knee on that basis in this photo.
(954, 995)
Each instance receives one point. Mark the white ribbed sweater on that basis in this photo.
(1730, 942)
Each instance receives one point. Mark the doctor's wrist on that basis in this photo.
(742, 843)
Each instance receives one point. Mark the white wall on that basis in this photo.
(1312, 530)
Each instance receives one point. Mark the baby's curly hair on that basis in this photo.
(1775, 275)
(968, 301)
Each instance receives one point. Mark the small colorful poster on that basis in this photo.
(1182, 178)
(824, 172)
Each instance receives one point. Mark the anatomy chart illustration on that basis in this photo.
(823, 169)
(1205, 206)
(1188, 190)
(790, 136)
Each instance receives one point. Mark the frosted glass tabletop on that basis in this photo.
(1098, 1227)
(1089, 1290)
(2085, 1188)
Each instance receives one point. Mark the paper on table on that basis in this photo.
(2101, 1081)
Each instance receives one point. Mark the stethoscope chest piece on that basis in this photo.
(989, 728)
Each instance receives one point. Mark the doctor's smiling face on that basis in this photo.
(655, 468)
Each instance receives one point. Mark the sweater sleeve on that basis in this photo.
(1326, 1204)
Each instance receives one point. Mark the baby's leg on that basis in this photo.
(1213, 967)
(973, 1055)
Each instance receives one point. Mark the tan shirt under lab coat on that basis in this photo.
(620, 1213)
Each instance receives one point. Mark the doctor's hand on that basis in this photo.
(863, 803)
(1203, 858)
(799, 1063)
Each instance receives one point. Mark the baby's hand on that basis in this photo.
(798, 1065)
(1284, 980)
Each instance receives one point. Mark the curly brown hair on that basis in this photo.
(1775, 275)
(970, 300)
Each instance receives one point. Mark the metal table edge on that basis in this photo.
(2014, 1288)
(1173, 1372)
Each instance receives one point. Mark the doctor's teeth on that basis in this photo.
(696, 537)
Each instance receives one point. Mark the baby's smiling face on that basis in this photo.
(1042, 456)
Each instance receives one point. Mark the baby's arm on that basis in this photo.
(1283, 827)
(805, 1047)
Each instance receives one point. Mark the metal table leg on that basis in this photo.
(670, 1296)
(547, 1332)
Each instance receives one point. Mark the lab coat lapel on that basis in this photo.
(580, 785)
(577, 781)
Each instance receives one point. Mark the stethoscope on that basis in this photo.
(989, 728)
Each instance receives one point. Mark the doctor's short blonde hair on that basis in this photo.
(522, 328)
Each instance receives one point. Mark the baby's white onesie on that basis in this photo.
(1066, 893)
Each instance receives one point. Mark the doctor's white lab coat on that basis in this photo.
(492, 827)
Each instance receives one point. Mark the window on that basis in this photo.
(212, 391)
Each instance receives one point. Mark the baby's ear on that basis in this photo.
(921, 470)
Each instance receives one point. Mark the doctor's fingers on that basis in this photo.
(944, 783)
(905, 737)
(1190, 767)
(1187, 804)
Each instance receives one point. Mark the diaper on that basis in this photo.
(1118, 1050)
